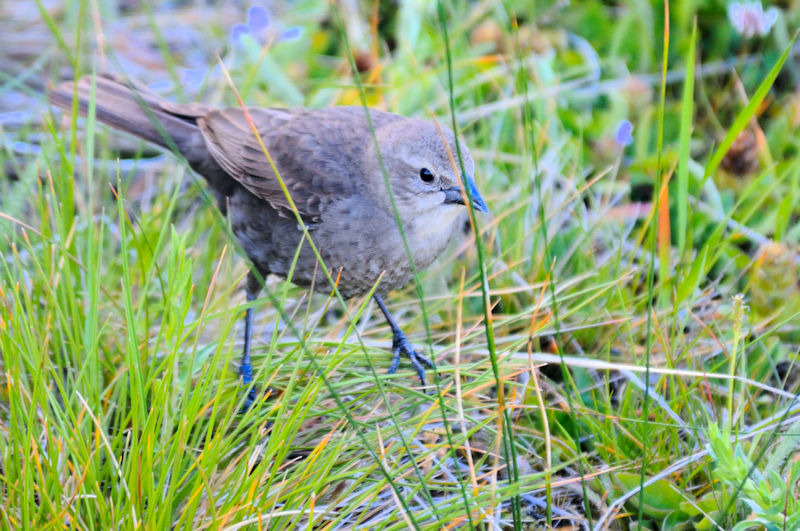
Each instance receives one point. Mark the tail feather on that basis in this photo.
(133, 109)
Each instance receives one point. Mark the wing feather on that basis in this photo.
(318, 153)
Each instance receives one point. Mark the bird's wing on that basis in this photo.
(319, 153)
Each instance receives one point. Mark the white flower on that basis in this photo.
(749, 18)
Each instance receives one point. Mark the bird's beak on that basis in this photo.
(454, 195)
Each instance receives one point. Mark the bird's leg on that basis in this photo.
(246, 369)
(401, 346)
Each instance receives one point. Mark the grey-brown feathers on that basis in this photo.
(329, 163)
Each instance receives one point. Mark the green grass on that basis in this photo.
(596, 366)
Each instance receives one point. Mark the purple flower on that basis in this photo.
(257, 18)
(238, 31)
(291, 33)
(258, 27)
(749, 18)
(624, 133)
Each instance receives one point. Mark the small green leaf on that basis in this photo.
(660, 498)
(708, 504)
(678, 521)
(709, 522)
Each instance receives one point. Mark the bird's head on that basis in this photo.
(423, 168)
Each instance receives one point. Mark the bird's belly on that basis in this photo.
(358, 246)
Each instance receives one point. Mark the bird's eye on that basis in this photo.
(426, 175)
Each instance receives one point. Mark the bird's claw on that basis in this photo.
(401, 347)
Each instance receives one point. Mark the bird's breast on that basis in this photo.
(429, 234)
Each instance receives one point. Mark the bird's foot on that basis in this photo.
(249, 400)
(255, 394)
(402, 347)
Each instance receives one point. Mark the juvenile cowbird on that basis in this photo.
(328, 161)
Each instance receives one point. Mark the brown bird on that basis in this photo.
(328, 160)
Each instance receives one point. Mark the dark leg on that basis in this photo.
(246, 369)
(401, 346)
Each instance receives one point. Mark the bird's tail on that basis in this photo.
(133, 109)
